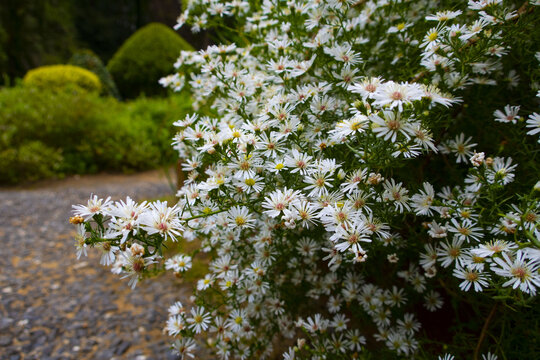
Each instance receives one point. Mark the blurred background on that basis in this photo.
(79, 89)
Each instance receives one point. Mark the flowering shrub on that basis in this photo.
(367, 163)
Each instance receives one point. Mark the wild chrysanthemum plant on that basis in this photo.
(354, 166)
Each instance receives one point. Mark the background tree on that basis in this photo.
(44, 32)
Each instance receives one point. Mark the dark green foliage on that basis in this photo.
(144, 58)
(45, 134)
(90, 61)
(42, 32)
(34, 33)
(103, 25)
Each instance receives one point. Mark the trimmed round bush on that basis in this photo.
(60, 76)
(145, 57)
(90, 61)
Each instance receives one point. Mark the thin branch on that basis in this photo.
(484, 331)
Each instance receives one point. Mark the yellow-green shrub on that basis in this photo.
(46, 133)
(60, 76)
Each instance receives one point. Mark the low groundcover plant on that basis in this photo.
(358, 166)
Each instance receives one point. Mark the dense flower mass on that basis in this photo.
(337, 141)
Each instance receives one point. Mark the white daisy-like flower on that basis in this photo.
(354, 180)
(352, 236)
(175, 324)
(305, 212)
(315, 324)
(279, 200)
(244, 167)
(237, 320)
(133, 264)
(422, 201)
(396, 95)
(178, 263)
(437, 231)
(276, 166)
(449, 253)
(433, 301)
(502, 171)
(397, 194)
(199, 320)
(533, 124)
(94, 206)
(185, 347)
(510, 114)
(254, 184)
(318, 183)
(298, 161)
(176, 309)
(239, 217)
(461, 147)
(160, 218)
(444, 15)
(521, 272)
(390, 125)
(471, 276)
(344, 128)
(367, 87)
(432, 39)
(206, 282)
(477, 159)
(108, 253)
(466, 230)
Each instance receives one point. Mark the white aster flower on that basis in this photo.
(444, 15)
(533, 124)
(470, 276)
(390, 125)
(522, 273)
(94, 206)
(160, 218)
(199, 320)
(239, 217)
(397, 95)
(510, 114)
(178, 263)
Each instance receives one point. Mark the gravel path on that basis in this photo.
(55, 307)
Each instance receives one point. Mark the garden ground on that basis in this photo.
(55, 307)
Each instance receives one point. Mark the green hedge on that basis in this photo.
(90, 61)
(145, 57)
(53, 133)
(56, 77)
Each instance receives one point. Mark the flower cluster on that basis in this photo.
(332, 146)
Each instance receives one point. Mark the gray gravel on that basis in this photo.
(55, 307)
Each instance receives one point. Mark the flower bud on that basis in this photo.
(136, 250)
(76, 220)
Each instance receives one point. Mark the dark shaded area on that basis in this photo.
(103, 25)
(43, 32)
(34, 32)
